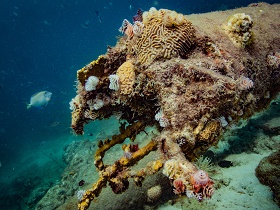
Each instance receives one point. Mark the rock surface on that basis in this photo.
(268, 172)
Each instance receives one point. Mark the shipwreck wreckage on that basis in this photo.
(193, 76)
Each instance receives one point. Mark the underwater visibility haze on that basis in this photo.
(44, 158)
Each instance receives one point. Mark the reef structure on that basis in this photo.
(192, 76)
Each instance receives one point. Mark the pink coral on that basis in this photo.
(138, 16)
(126, 28)
(245, 83)
(200, 178)
(202, 184)
(179, 186)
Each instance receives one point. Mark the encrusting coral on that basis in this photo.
(186, 78)
(239, 29)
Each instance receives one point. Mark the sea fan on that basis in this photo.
(91, 83)
(114, 82)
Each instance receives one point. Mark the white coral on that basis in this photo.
(163, 121)
(80, 194)
(223, 121)
(114, 82)
(98, 104)
(74, 103)
(91, 83)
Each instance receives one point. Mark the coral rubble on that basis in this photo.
(186, 77)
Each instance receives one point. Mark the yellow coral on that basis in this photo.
(157, 165)
(170, 169)
(239, 29)
(166, 34)
(175, 169)
(95, 68)
(126, 76)
(210, 131)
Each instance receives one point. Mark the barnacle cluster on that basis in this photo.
(197, 84)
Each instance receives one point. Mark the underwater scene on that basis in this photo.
(115, 105)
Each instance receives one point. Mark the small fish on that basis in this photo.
(39, 99)
(53, 124)
(86, 24)
(98, 16)
(46, 22)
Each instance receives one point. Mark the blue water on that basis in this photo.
(42, 45)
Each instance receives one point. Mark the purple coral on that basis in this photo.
(138, 16)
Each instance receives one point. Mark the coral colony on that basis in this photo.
(192, 82)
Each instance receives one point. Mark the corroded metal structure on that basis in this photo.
(192, 76)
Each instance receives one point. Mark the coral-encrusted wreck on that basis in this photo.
(192, 76)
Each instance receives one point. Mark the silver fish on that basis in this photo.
(39, 99)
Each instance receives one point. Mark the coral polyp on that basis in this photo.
(183, 76)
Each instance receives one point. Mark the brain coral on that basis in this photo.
(126, 77)
(239, 29)
(166, 34)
